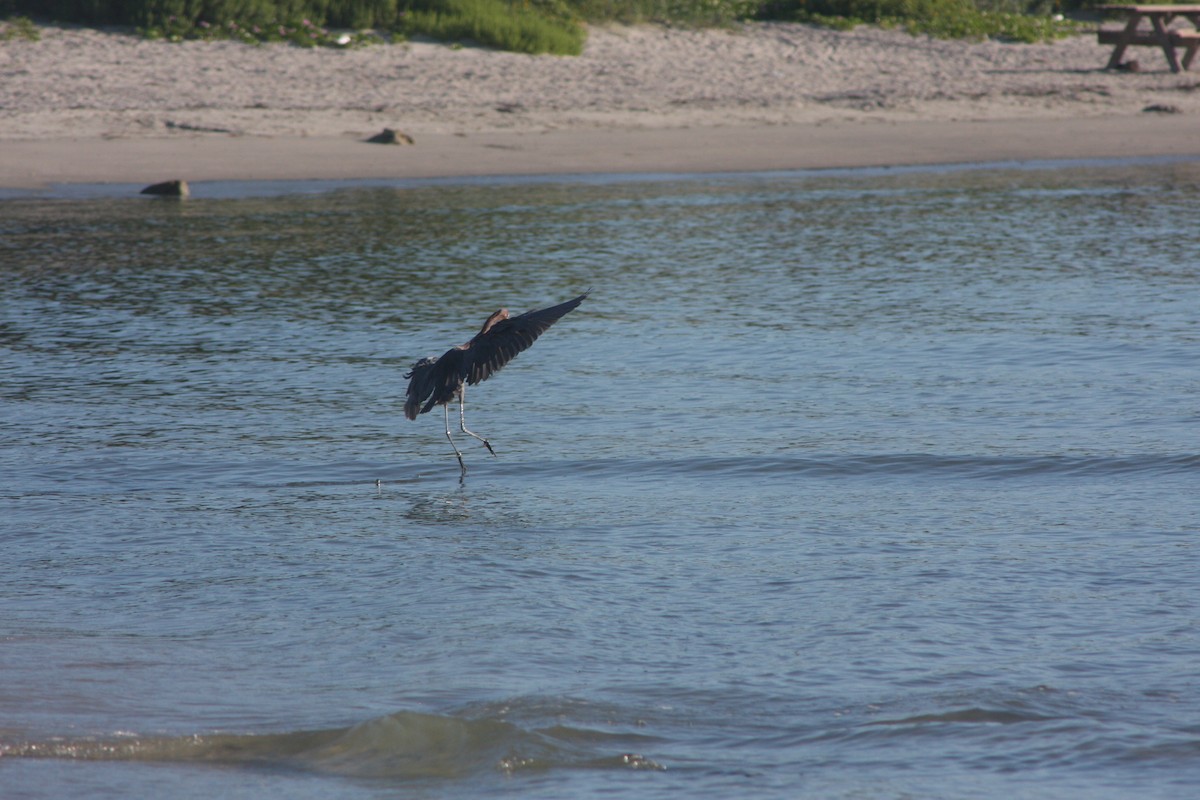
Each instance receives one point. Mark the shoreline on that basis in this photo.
(86, 106)
(32, 167)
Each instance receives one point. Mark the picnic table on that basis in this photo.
(1157, 35)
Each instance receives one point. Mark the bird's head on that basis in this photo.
(500, 315)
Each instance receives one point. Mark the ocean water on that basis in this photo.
(858, 484)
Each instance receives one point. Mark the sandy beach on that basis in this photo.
(88, 106)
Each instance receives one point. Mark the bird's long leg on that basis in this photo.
(462, 419)
(446, 407)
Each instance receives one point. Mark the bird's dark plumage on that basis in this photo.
(435, 381)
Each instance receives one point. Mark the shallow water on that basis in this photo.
(855, 484)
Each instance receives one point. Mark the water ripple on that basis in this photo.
(136, 474)
(900, 465)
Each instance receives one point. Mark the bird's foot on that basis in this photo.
(489, 447)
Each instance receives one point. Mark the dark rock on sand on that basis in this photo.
(390, 136)
(168, 189)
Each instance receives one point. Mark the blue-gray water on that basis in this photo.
(871, 485)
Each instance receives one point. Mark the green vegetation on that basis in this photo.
(524, 27)
(688, 13)
(946, 19)
(18, 28)
(527, 26)
(302, 32)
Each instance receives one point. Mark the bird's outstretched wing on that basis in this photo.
(433, 381)
(420, 386)
(491, 350)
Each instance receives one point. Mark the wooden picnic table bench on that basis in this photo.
(1157, 35)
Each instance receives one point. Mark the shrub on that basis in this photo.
(19, 28)
(515, 26)
(698, 13)
(533, 26)
(948, 19)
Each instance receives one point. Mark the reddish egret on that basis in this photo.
(437, 381)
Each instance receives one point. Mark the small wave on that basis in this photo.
(901, 465)
(158, 476)
(1182, 749)
(402, 746)
(970, 716)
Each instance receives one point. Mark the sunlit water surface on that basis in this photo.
(879, 484)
